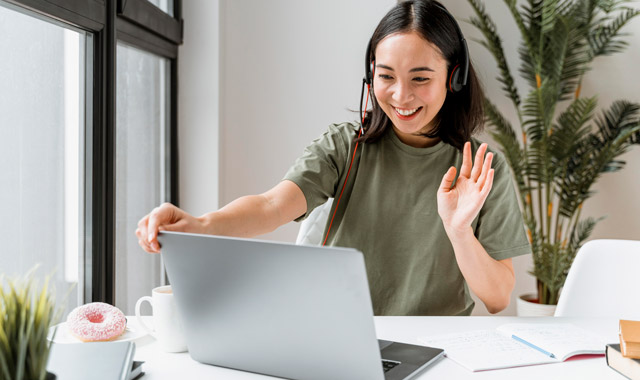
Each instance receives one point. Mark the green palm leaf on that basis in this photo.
(620, 116)
(504, 134)
(571, 127)
(596, 154)
(549, 15)
(604, 40)
(575, 62)
(494, 45)
(582, 232)
(527, 38)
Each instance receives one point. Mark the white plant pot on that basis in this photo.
(526, 308)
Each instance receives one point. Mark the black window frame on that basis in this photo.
(141, 24)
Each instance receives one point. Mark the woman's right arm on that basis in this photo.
(245, 217)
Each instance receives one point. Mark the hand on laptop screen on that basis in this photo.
(247, 216)
(166, 217)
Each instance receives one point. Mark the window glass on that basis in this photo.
(164, 5)
(142, 104)
(42, 103)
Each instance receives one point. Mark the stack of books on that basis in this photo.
(625, 357)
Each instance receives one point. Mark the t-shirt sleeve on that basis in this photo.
(317, 171)
(500, 227)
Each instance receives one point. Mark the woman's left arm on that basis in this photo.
(491, 280)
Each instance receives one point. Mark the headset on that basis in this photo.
(457, 80)
(458, 75)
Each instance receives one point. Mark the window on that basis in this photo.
(142, 108)
(146, 174)
(164, 5)
(86, 98)
(42, 105)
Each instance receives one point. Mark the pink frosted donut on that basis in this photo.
(96, 322)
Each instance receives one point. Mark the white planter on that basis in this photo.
(526, 308)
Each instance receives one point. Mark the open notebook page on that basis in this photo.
(561, 339)
(481, 350)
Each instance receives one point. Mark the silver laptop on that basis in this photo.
(298, 312)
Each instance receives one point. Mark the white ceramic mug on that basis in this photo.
(167, 329)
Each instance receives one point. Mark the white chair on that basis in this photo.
(312, 229)
(603, 281)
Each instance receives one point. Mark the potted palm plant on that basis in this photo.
(561, 145)
(26, 313)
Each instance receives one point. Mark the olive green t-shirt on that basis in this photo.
(389, 212)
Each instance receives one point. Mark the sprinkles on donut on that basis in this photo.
(96, 322)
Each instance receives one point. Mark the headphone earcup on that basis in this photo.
(368, 75)
(368, 65)
(454, 80)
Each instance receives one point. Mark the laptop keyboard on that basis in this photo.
(389, 364)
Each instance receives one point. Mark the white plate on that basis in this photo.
(63, 335)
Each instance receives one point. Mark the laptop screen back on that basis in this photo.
(273, 308)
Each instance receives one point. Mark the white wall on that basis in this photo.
(260, 79)
(290, 68)
(199, 106)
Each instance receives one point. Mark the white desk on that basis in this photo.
(162, 365)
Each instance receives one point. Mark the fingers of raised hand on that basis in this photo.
(486, 167)
(465, 168)
(478, 162)
(447, 180)
(486, 187)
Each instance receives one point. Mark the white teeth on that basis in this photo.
(406, 112)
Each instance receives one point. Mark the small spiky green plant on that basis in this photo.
(26, 313)
(557, 160)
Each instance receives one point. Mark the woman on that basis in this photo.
(427, 235)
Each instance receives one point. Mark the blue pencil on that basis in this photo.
(549, 354)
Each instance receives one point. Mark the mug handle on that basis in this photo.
(140, 321)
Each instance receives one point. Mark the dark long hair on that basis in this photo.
(462, 113)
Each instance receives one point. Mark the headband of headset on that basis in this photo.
(459, 74)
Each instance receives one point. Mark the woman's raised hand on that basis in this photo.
(460, 204)
(166, 217)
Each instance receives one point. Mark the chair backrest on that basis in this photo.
(603, 281)
(312, 228)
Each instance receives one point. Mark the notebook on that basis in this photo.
(96, 361)
(517, 344)
(282, 309)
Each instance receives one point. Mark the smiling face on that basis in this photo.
(410, 85)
